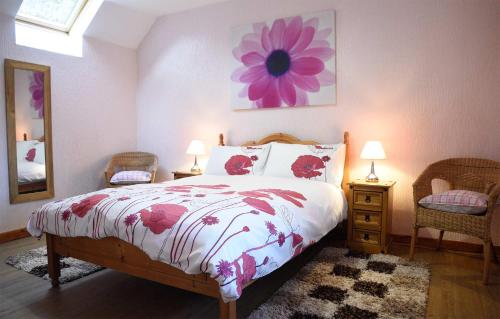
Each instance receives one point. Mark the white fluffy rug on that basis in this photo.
(35, 262)
(341, 284)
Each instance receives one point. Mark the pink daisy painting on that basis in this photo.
(284, 62)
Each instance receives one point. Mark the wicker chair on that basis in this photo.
(131, 161)
(478, 175)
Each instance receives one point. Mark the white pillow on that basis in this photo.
(237, 160)
(40, 153)
(22, 148)
(130, 177)
(315, 162)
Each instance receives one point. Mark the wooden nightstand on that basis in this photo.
(370, 210)
(183, 174)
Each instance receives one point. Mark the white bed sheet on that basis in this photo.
(236, 228)
(29, 172)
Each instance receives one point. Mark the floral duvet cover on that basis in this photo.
(236, 228)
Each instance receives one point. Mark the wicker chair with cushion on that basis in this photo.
(472, 174)
(130, 161)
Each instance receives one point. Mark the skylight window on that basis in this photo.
(53, 14)
(55, 25)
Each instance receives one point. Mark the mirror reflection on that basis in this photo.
(30, 137)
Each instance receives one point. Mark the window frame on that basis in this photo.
(47, 25)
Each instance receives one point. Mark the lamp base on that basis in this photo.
(195, 169)
(372, 178)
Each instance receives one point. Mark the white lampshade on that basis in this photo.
(196, 147)
(373, 150)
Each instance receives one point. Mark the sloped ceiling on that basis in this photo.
(120, 25)
(163, 7)
(124, 22)
(10, 7)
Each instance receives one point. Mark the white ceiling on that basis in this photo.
(120, 25)
(124, 22)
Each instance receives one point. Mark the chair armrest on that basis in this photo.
(108, 173)
(153, 175)
(493, 197)
(109, 170)
(422, 186)
(106, 179)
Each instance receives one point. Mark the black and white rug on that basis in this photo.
(340, 284)
(35, 262)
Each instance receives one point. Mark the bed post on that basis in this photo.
(221, 139)
(53, 261)
(345, 178)
(227, 310)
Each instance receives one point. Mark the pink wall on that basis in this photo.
(93, 116)
(421, 76)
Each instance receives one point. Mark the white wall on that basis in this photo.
(93, 116)
(421, 76)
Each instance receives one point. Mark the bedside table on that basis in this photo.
(183, 174)
(369, 220)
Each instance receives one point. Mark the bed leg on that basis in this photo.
(54, 264)
(227, 310)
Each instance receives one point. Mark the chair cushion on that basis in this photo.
(131, 177)
(457, 201)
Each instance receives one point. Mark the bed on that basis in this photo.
(221, 233)
(31, 175)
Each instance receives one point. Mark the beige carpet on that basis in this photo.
(35, 262)
(340, 284)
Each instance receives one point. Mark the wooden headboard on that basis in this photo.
(290, 139)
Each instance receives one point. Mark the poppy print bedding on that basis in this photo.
(323, 162)
(237, 160)
(236, 228)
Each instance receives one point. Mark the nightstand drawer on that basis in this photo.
(367, 200)
(366, 237)
(367, 220)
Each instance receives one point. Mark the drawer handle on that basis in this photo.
(366, 236)
(367, 218)
(368, 199)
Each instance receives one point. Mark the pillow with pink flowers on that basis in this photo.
(314, 162)
(237, 160)
(457, 201)
(39, 153)
(25, 147)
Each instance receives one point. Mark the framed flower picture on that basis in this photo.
(284, 62)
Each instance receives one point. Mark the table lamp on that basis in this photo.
(372, 150)
(196, 147)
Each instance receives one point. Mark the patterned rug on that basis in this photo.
(35, 262)
(341, 284)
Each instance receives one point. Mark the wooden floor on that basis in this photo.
(456, 292)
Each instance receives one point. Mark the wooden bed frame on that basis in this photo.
(121, 256)
(26, 188)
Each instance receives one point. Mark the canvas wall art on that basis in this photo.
(284, 62)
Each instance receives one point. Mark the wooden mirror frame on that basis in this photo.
(10, 103)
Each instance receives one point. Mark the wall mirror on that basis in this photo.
(29, 136)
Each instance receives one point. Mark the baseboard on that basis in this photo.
(13, 235)
(446, 244)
